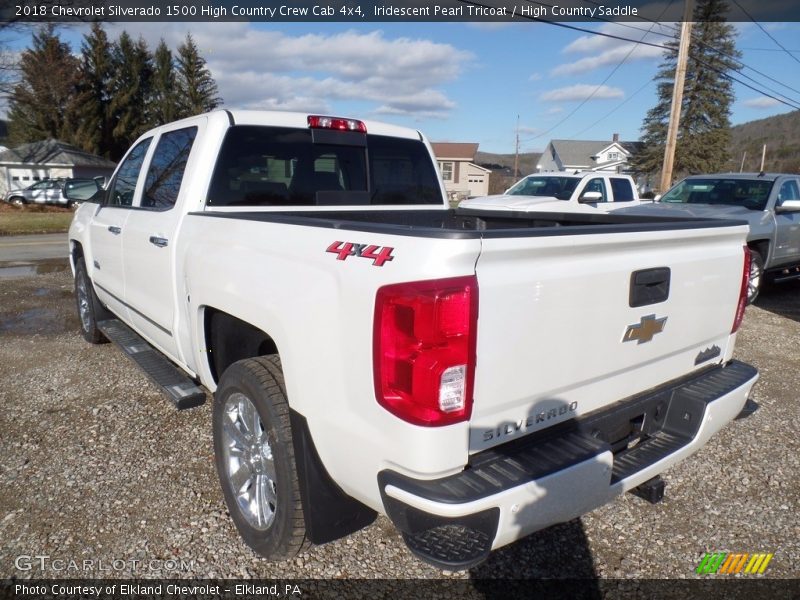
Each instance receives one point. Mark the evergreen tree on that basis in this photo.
(704, 129)
(164, 97)
(43, 104)
(130, 93)
(197, 90)
(94, 129)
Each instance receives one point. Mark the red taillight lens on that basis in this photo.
(424, 349)
(737, 320)
(338, 123)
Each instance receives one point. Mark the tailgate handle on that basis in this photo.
(649, 286)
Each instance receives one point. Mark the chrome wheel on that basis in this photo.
(83, 303)
(249, 462)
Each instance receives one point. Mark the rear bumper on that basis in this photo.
(513, 490)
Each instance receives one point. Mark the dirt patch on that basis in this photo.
(95, 463)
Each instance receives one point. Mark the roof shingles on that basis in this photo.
(53, 152)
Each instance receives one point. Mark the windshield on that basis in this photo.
(748, 193)
(545, 185)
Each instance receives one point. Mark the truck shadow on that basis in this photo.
(558, 558)
(782, 299)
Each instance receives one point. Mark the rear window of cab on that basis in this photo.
(279, 166)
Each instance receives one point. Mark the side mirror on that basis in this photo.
(591, 197)
(788, 206)
(657, 198)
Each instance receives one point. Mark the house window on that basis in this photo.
(613, 156)
(447, 170)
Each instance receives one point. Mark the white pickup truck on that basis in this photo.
(575, 191)
(475, 378)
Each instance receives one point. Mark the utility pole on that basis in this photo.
(763, 156)
(516, 153)
(677, 97)
(741, 167)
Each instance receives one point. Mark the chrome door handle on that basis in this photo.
(158, 241)
(114, 229)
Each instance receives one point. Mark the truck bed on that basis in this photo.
(470, 224)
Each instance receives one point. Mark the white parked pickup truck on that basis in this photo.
(475, 378)
(576, 191)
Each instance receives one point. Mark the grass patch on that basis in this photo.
(22, 222)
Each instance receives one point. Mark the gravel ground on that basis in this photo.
(96, 465)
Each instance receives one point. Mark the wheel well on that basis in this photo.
(77, 252)
(229, 339)
(760, 246)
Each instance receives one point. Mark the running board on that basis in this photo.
(182, 391)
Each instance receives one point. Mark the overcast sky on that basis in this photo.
(463, 82)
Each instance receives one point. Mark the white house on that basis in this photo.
(48, 159)
(585, 155)
(462, 177)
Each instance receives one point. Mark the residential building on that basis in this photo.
(48, 159)
(585, 155)
(462, 177)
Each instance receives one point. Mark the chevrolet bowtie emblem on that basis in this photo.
(644, 330)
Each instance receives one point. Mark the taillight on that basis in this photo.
(338, 123)
(737, 321)
(424, 349)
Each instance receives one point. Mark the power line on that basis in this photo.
(765, 31)
(740, 65)
(740, 82)
(663, 47)
(612, 111)
(787, 101)
(597, 89)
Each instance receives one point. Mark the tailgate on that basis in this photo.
(558, 337)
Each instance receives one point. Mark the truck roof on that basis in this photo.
(300, 119)
(575, 174)
(754, 175)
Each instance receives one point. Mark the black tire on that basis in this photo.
(90, 311)
(17, 200)
(259, 380)
(756, 279)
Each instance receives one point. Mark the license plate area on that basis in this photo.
(625, 427)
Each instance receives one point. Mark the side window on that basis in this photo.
(166, 170)
(789, 191)
(124, 185)
(596, 185)
(622, 188)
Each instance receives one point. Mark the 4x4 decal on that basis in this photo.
(379, 254)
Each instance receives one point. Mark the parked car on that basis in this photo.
(585, 192)
(769, 202)
(474, 377)
(64, 192)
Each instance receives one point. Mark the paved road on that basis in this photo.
(18, 248)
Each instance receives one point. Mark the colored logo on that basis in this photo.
(644, 330)
(379, 255)
(728, 563)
